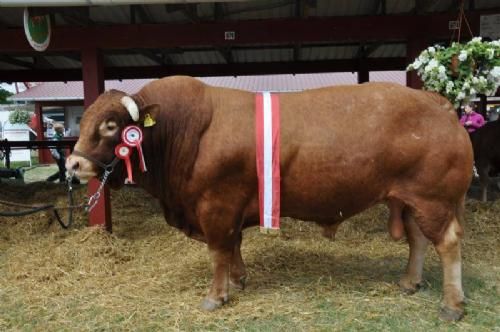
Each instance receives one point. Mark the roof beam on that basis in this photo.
(41, 62)
(250, 32)
(219, 11)
(190, 10)
(16, 62)
(294, 67)
(380, 7)
(139, 11)
(76, 16)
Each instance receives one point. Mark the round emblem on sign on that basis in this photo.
(132, 135)
(37, 30)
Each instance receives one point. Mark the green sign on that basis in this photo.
(37, 30)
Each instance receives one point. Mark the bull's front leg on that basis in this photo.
(219, 224)
(219, 291)
(237, 274)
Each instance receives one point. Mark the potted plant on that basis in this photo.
(461, 71)
(19, 115)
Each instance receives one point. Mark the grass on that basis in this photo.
(24, 164)
(146, 276)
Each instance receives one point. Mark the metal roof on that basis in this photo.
(190, 13)
(278, 83)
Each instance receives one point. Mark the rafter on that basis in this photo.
(139, 11)
(16, 62)
(250, 32)
(344, 65)
(219, 11)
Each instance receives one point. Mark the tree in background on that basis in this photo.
(4, 94)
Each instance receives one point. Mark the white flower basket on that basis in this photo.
(461, 71)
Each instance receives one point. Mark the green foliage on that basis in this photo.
(19, 115)
(460, 71)
(4, 94)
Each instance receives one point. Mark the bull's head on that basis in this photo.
(100, 132)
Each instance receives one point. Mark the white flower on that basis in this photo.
(476, 40)
(496, 43)
(462, 56)
(449, 86)
(461, 95)
(431, 50)
(495, 72)
(431, 65)
(416, 64)
(472, 91)
(491, 53)
(475, 80)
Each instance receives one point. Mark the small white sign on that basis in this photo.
(229, 35)
(453, 25)
(489, 26)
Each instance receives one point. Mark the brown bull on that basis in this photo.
(343, 150)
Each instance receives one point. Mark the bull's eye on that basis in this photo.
(108, 128)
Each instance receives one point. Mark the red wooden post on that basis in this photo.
(93, 86)
(413, 49)
(363, 71)
(39, 131)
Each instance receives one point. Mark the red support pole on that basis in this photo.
(39, 129)
(93, 86)
(363, 71)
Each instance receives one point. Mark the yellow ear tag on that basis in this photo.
(149, 121)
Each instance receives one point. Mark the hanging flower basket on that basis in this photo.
(461, 71)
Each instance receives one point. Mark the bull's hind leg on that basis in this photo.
(237, 274)
(439, 222)
(448, 249)
(412, 279)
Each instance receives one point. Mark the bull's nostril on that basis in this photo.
(72, 165)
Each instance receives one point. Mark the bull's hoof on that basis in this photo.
(211, 305)
(451, 315)
(408, 287)
(238, 283)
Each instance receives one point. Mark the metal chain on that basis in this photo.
(94, 199)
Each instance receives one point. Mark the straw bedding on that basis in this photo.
(148, 276)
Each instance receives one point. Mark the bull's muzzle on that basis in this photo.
(80, 167)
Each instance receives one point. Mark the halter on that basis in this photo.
(106, 167)
(131, 138)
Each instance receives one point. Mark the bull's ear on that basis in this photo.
(148, 113)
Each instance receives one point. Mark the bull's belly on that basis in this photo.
(325, 207)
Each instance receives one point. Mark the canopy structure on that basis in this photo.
(97, 40)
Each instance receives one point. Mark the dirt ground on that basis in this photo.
(147, 276)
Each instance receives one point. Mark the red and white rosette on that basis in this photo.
(123, 152)
(132, 137)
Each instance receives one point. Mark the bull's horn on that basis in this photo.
(131, 107)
